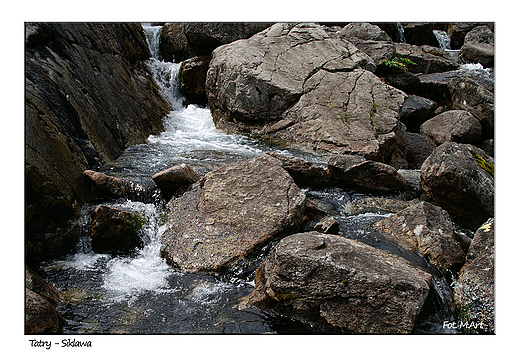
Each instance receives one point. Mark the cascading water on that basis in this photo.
(139, 293)
(443, 38)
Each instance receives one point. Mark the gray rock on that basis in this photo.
(426, 62)
(340, 285)
(357, 172)
(327, 225)
(418, 148)
(303, 172)
(233, 211)
(42, 287)
(173, 44)
(454, 125)
(174, 178)
(474, 290)
(428, 230)
(370, 39)
(460, 179)
(416, 110)
(479, 46)
(40, 316)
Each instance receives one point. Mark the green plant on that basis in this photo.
(398, 62)
(483, 163)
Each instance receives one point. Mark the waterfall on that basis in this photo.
(443, 38)
(400, 33)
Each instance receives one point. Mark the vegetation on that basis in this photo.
(398, 62)
(482, 162)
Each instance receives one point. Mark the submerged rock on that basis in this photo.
(474, 290)
(428, 230)
(232, 212)
(340, 285)
(460, 179)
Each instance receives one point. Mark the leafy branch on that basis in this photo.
(398, 62)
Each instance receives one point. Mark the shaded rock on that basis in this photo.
(421, 33)
(327, 225)
(41, 316)
(470, 90)
(304, 173)
(88, 96)
(192, 75)
(108, 186)
(418, 148)
(416, 110)
(426, 62)
(173, 44)
(204, 37)
(115, 231)
(41, 287)
(174, 178)
(474, 291)
(458, 126)
(357, 172)
(460, 179)
(232, 212)
(479, 46)
(340, 285)
(458, 31)
(428, 230)
(370, 39)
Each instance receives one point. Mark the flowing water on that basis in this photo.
(141, 294)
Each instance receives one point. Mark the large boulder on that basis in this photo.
(106, 186)
(427, 61)
(428, 230)
(479, 46)
(232, 212)
(303, 172)
(418, 148)
(173, 44)
(474, 291)
(41, 317)
(453, 125)
(192, 75)
(460, 179)
(88, 96)
(41, 287)
(366, 175)
(416, 110)
(370, 39)
(340, 285)
(115, 231)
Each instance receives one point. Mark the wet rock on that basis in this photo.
(340, 285)
(377, 204)
(460, 179)
(115, 231)
(235, 210)
(428, 230)
(173, 44)
(327, 225)
(192, 75)
(174, 178)
(479, 46)
(370, 39)
(418, 148)
(106, 186)
(41, 287)
(41, 317)
(303, 172)
(357, 172)
(458, 126)
(474, 291)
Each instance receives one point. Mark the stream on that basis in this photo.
(141, 294)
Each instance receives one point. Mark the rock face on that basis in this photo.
(235, 210)
(458, 126)
(479, 46)
(88, 97)
(474, 291)
(428, 230)
(41, 316)
(340, 285)
(114, 231)
(357, 172)
(460, 179)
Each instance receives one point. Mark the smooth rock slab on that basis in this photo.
(340, 285)
(235, 210)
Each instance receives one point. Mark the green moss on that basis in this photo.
(286, 297)
(483, 163)
(139, 222)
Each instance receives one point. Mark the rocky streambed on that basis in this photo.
(336, 181)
